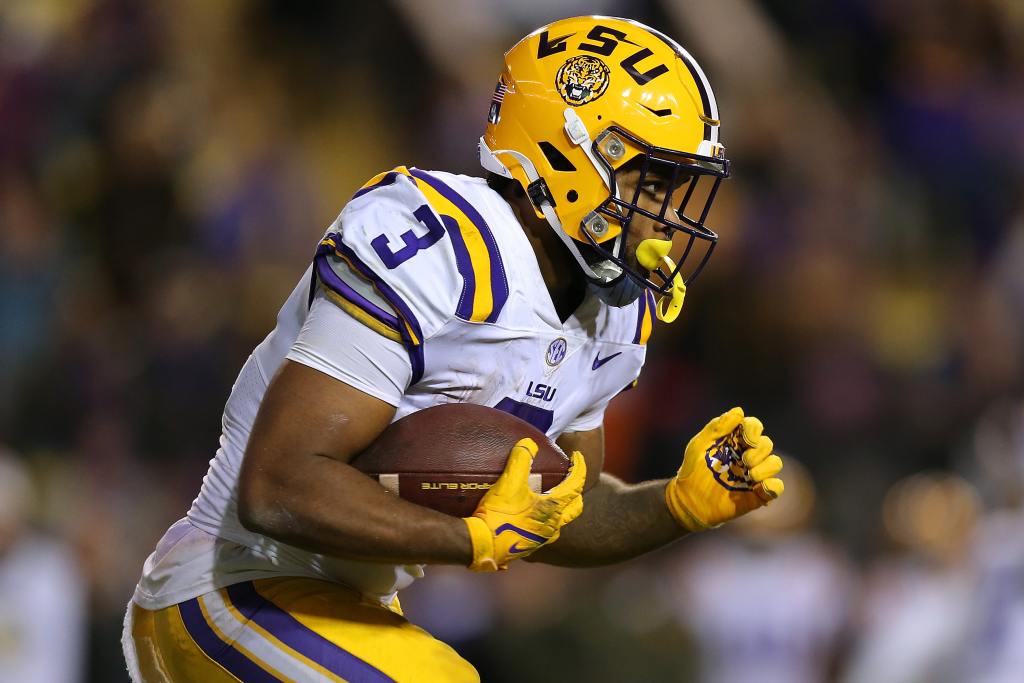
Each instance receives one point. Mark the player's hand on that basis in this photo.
(728, 470)
(512, 521)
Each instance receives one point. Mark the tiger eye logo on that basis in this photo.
(582, 79)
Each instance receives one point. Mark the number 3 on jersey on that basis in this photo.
(413, 243)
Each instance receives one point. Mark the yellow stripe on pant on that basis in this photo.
(288, 629)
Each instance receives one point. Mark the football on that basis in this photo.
(446, 457)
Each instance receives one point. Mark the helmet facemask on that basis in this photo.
(690, 184)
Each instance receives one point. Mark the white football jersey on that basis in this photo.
(424, 291)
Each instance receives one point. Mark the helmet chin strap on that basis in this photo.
(617, 288)
(489, 160)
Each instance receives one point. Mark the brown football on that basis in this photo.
(446, 457)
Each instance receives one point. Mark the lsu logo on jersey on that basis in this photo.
(725, 462)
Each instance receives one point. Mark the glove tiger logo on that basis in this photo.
(582, 79)
(726, 464)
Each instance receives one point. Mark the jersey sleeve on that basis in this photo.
(406, 255)
(378, 367)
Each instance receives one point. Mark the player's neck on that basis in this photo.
(560, 271)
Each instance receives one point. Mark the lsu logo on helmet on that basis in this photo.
(582, 79)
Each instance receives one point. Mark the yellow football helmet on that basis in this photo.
(577, 101)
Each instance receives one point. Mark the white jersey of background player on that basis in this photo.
(431, 282)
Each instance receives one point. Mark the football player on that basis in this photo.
(533, 291)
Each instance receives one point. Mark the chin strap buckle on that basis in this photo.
(539, 193)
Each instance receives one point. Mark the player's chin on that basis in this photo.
(631, 261)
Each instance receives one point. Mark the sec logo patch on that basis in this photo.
(556, 351)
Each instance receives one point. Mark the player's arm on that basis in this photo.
(296, 484)
(621, 521)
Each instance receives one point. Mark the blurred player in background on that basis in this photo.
(534, 292)
(42, 594)
(994, 650)
(797, 592)
(917, 608)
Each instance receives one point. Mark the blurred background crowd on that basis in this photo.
(166, 169)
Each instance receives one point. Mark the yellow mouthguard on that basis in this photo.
(651, 254)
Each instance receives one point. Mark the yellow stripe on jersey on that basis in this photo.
(647, 324)
(362, 316)
(375, 180)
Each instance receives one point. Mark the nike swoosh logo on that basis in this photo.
(514, 548)
(598, 361)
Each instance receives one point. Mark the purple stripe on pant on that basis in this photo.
(300, 638)
(216, 649)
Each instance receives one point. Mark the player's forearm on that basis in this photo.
(329, 507)
(619, 521)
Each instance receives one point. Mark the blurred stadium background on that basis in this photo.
(166, 169)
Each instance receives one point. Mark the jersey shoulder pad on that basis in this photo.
(408, 253)
(471, 242)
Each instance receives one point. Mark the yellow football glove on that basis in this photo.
(512, 521)
(728, 470)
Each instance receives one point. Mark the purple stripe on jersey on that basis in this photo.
(386, 180)
(499, 282)
(236, 663)
(414, 347)
(331, 280)
(465, 266)
(301, 638)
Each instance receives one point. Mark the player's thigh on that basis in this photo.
(289, 629)
(319, 614)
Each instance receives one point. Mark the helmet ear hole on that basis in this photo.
(555, 157)
(572, 195)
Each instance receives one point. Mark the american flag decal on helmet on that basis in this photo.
(494, 115)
